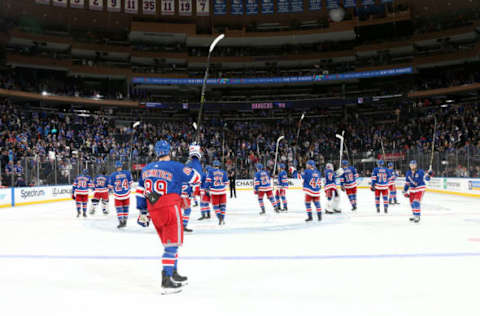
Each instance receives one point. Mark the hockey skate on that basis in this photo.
(329, 212)
(78, 213)
(92, 211)
(169, 286)
(178, 278)
(105, 212)
(187, 230)
(319, 215)
(354, 208)
(378, 210)
(415, 218)
(285, 209)
(202, 218)
(309, 218)
(122, 223)
(85, 214)
(337, 211)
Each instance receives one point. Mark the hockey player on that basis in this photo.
(120, 183)
(348, 182)
(312, 185)
(380, 179)
(204, 196)
(217, 183)
(195, 155)
(415, 185)
(262, 185)
(391, 184)
(81, 186)
(158, 198)
(281, 190)
(100, 193)
(333, 198)
(186, 206)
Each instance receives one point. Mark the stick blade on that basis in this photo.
(339, 136)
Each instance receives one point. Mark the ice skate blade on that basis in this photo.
(168, 291)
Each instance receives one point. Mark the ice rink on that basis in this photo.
(52, 263)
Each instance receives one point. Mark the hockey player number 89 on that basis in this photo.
(160, 186)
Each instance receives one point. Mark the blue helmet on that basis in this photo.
(282, 166)
(85, 171)
(390, 164)
(413, 162)
(216, 163)
(344, 163)
(162, 148)
(311, 163)
(118, 164)
(259, 166)
(380, 163)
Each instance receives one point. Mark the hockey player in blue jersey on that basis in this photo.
(415, 186)
(217, 183)
(262, 185)
(81, 186)
(391, 184)
(333, 197)
(380, 179)
(195, 155)
(158, 198)
(312, 186)
(100, 193)
(282, 186)
(204, 196)
(348, 182)
(120, 183)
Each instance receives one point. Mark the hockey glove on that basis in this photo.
(372, 188)
(406, 194)
(343, 188)
(73, 196)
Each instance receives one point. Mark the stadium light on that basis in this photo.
(44, 93)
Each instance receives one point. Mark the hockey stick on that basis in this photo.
(383, 150)
(341, 148)
(433, 141)
(276, 155)
(298, 136)
(204, 85)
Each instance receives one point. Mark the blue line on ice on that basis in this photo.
(265, 258)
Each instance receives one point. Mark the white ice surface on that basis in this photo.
(52, 263)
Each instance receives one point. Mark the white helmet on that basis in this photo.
(329, 166)
(195, 151)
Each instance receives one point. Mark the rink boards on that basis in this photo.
(45, 194)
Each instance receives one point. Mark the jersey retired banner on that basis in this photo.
(219, 7)
(203, 7)
(252, 7)
(332, 4)
(168, 7)
(315, 5)
(131, 6)
(350, 3)
(267, 6)
(114, 5)
(237, 7)
(60, 3)
(42, 1)
(296, 6)
(368, 2)
(78, 4)
(185, 7)
(95, 5)
(149, 7)
(283, 6)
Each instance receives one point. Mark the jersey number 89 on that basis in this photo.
(160, 186)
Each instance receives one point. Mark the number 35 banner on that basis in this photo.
(185, 7)
(168, 7)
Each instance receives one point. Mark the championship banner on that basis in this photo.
(368, 2)
(60, 3)
(42, 1)
(283, 6)
(219, 7)
(185, 7)
(96, 5)
(333, 4)
(385, 1)
(149, 7)
(114, 5)
(349, 3)
(203, 7)
(252, 7)
(168, 7)
(315, 5)
(237, 7)
(267, 6)
(77, 4)
(131, 6)
(296, 6)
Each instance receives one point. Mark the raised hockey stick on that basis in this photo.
(383, 149)
(433, 141)
(204, 85)
(276, 155)
(341, 147)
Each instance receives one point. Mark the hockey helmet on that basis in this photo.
(162, 148)
(345, 163)
(390, 164)
(216, 163)
(380, 163)
(118, 164)
(329, 166)
(259, 166)
(311, 163)
(281, 166)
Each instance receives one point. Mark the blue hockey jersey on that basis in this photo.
(195, 164)
(330, 179)
(120, 183)
(100, 183)
(82, 184)
(349, 178)
(312, 182)
(381, 178)
(217, 181)
(262, 181)
(283, 179)
(164, 177)
(416, 181)
(393, 176)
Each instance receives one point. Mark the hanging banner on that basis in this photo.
(385, 1)
(237, 7)
(283, 6)
(296, 6)
(114, 5)
(315, 5)
(77, 4)
(96, 5)
(203, 7)
(60, 3)
(368, 2)
(267, 6)
(131, 6)
(149, 7)
(219, 7)
(185, 7)
(252, 7)
(332, 4)
(349, 3)
(42, 1)
(168, 7)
